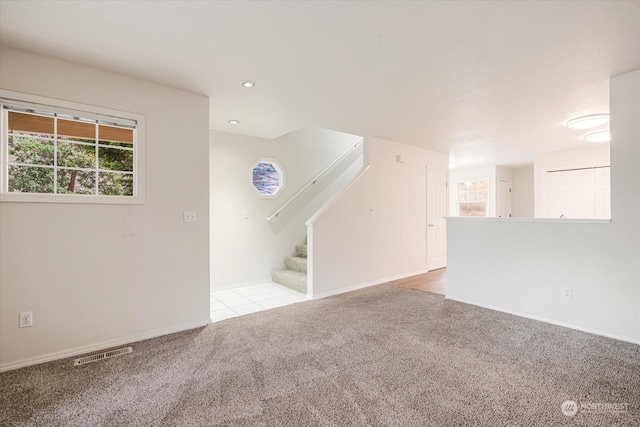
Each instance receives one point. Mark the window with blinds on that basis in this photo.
(48, 150)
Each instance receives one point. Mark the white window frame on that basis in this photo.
(486, 202)
(86, 111)
(281, 177)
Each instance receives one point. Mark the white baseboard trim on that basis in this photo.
(98, 346)
(240, 285)
(364, 285)
(569, 325)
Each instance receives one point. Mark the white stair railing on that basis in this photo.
(304, 189)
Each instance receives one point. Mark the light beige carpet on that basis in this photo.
(381, 356)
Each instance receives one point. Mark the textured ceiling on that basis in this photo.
(488, 82)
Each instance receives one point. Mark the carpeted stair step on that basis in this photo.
(301, 250)
(296, 263)
(291, 279)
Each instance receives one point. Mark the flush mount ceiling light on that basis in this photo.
(234, 122)
(588, 122)
(248, 84)
(599, 136)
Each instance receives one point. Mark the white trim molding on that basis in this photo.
(99, 346)
(366, 285)
(547, 320)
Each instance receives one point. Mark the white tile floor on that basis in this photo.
(250, 299)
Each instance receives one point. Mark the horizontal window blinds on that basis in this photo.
(39, 121)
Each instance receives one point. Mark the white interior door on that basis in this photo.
(603, 192)
(504, 198)
(580, 193)
(436, 224)
(570, 194)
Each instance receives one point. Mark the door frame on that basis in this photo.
(498, 197)
(446, 207)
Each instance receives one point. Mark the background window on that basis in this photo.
(267, 177)
(49, 151)
(472, 197)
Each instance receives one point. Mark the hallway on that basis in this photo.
(434, 281)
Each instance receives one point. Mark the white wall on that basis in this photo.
(503, 172)
(95, 275)
(589, 156)
(521, 266)
(349, 248)
(473, 174)
(244, 251)
(522, 195)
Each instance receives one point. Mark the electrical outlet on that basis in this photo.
(189, 216)
(26, 319)
(566, 292)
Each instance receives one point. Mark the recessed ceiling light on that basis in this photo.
(588, 122)
(248, 83)
(452, 165)
(599, 136)
(234, 122)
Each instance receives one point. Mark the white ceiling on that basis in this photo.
(488, 82)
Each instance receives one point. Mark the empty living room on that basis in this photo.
(319, 213)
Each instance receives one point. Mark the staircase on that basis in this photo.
(294, 276)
